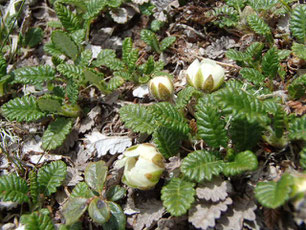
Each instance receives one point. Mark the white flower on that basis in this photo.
(207, 75)
(161, 88)
(143, 166)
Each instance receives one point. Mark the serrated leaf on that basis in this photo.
(148, 67)
(299, 50)
(74, 209)
(51, 176)
(244, 134)
(137, 118)
(210, 126)
(298, 24)
(99, 211)
(177, 196)
(115, 193)
(34, 187)
(252, 75)
(204, 214)
(167, 115)
(167, 140)
(117, 220)
(34, 75)
(51, 49)
(78, 36)
(167, 42)
(93, 8)
(150, 39)
(107, 57)
(274, 194)
(70, 71)
(127, 47)
(114, 3)
(185, 95)
(201, 165)
(297, 88)
(270, 63)
(37, 221)
(303, 158)
(33, 37)
(64, 43)
(56, 133)
(85, 58)
(95, 78)
(69, 20)
(49, 104)
(81, 190)
(72, 91)
(236, 55)
(22, 109)
(238, 102)
(297, 128)
(95, 175)
(115, 82)
(255, 50)
(244, 161)
(13, 188)
(258, 25)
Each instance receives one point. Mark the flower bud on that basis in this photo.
(143, 166)
(161, 88)
(207, 75)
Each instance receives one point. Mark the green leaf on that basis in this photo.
(303, 158)
(51, 176)
(279, 121)
(238, 102)
(297, 128)
(107, 57)
(236, 55)
(252, 75)
(150, 39)
(270, 63)
(3, 66)
(69, 20)
(93, 8)
(81, 190)
(297, 88)
(22, 109)
(37, 221)
(283, 54)
(114, 3)
(85, 58)
(115, 83)
(70, 71)
(115, 193)
(74, 208)
(34, 187)
(51, 49)
(185, 96)
(255, 50)
(225, 16)
(78, 36)
(167, 140)
(99, 211)
(72, 91)
(13, 188)
(156, 25)
(63, 42)
(167, 115)
(49, 104)
(56, 133)
(178, 196)
(258, 25)
(210, 126)
(137, 118)
(244, 161)
(298, 22)
(117, 220)
(299, 50)
(148, 67)
(95, 175)
(201, 165)
(127, 47)
(274, 194)
(244, 134)
(94, 78)
(167, 42)
(34, 75)
(33, 37)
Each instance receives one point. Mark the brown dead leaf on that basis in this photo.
(298, 107)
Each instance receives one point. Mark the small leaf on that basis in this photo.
(177, 196)
(37, 221)
(236, 55)
(270, 63)
(64, 42)
(255, 50)
(185, 96)
(297, 23)
(49, 104)
(299, 50)
(303, 158)
(137, 118)
(99, 211)
(244, 161)
(93, 8)
(115, 83)
(51, 176)
(252, 75)
(22, 109)
(34, 187)
(115, 193)
(56, 133)
(72, 91)
(274, 194)
(33, 37)
(127, 47)
(297, 128)
(81, 190)
(34, 75)
(258, 25)
(70, 71)
(69, 20)
(117, 220)
(95, 175)
(297, 88)
(74, 209)
(201, 165)
(13, 188)
(167, 42)
(150, 39)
